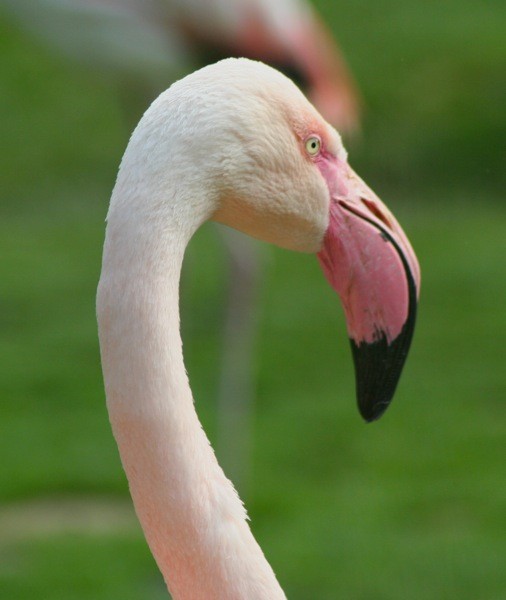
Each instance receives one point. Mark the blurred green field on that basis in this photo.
(411, 507)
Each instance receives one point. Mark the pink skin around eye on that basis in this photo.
(334, 171)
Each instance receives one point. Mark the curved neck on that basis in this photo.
(191, 515)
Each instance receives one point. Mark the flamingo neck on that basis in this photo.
(192, 517)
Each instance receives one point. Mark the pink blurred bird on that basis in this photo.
(153, 42)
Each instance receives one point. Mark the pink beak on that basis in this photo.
(369, 262)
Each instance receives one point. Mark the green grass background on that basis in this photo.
(411, 507)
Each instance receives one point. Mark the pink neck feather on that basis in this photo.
(193, 520)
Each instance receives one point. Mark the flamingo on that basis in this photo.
(238, 143)
(146, 44)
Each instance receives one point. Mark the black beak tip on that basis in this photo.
(378, 367)
(371, 411)
(375, 376)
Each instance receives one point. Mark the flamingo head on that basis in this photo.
(281, 174)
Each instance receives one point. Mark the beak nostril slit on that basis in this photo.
(376, 211)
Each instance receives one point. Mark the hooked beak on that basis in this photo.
(369, 262)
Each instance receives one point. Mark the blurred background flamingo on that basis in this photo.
(141, 46)
(147, 44)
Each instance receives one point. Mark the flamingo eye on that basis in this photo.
(313, 145)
